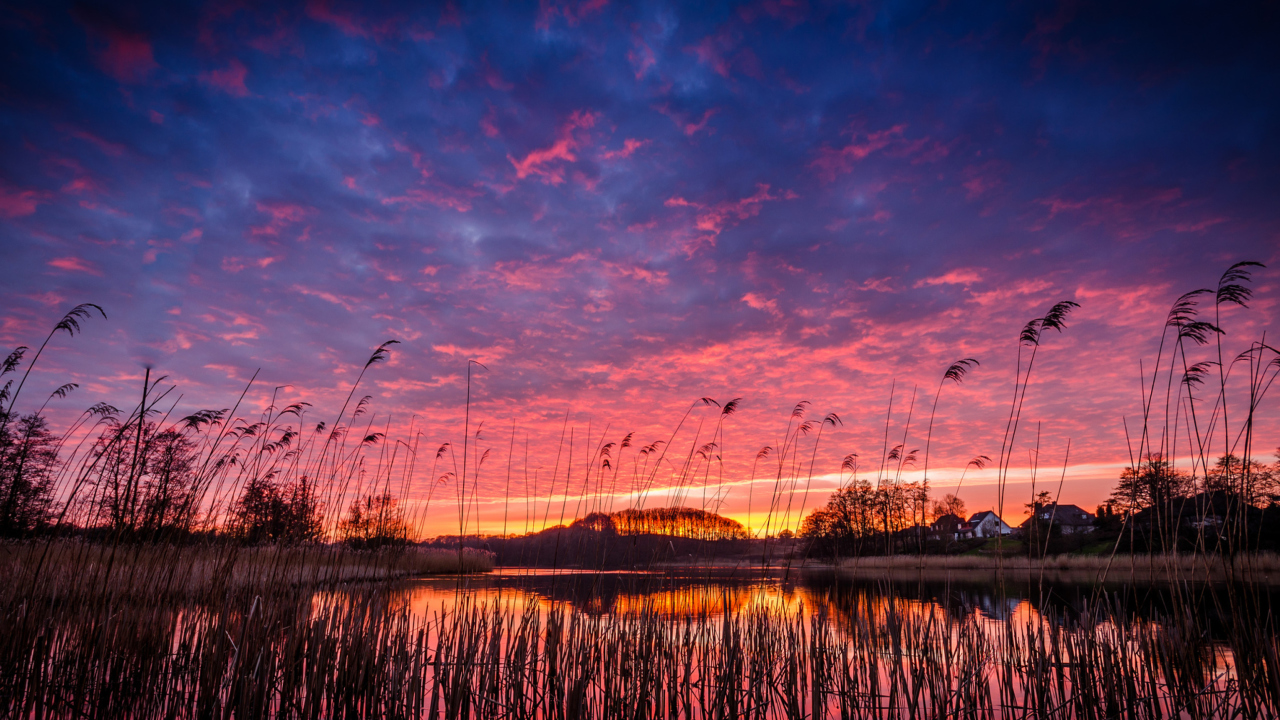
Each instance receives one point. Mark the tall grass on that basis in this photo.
(366, 655)
(179, 600)
(1264, 567)
(84, 572)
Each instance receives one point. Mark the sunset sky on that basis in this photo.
(621, 208)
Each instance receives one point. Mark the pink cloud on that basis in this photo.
(489, 123)
(74, 264)
(641, 58)
(236, 264)
(347, 304)
(348, 22)
(1130, 214)
(543, 162)
(832, 162)
(793, 12)
(1047, 27)
(721, 53)
(561, 150)
(492, 77)
(693, 128)
(107, 147)
(459, 199)
(711, 220)
(415, 156)
(1197, 226)
(127, 56)
(959, 276)
(81, 185)
(15, 204)
(757, 302)
(711, 51)
(641, 274)
(629, 146)
(281, 215)
(279, 39)
(977, 186)
(428, 191)
(229, 79)
(573, 11)
(686, 126)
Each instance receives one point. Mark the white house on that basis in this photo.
(987, 524)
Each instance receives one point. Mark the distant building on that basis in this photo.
(947, 527)
(986, 524)
(1069, 519)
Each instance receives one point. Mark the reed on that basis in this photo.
(1263, 567)
(76, 571)
(225, 564)
(366, 654)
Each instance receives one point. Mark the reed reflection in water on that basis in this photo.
(718, 643)
(688, 644)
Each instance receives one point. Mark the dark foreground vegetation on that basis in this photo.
(364, 655)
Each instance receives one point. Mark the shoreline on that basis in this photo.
(1262, 568)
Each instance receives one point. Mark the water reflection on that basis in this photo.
(1064, 602)
(695, 592)
(673, 594)
(694, 639)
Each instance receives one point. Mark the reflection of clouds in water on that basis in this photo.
(883, 629)
(694, 595)
(608, 593)
(852, 605)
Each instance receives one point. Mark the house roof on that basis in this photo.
(1069, 514)
(980, 516)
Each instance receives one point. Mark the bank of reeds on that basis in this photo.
(146, 623)
(369, 656)
(1262, 567)
(85, 572)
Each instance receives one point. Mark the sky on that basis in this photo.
(619, 209)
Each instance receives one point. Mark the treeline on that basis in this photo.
(1232, 507)
(860, 519)
(631, 538)
(1154, 508)
(138, 481)
(139, 475)
(683, 522)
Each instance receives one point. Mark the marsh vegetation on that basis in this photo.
(236, 563)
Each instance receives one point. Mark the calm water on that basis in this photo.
(677, 643)
(686, 592)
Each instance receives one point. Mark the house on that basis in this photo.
(987, 524)
(1070, 519)
(1203, 511)
(947, 527)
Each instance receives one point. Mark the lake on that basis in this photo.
(817, 643)
(681, 643)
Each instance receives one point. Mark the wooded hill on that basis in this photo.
(626, 539)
